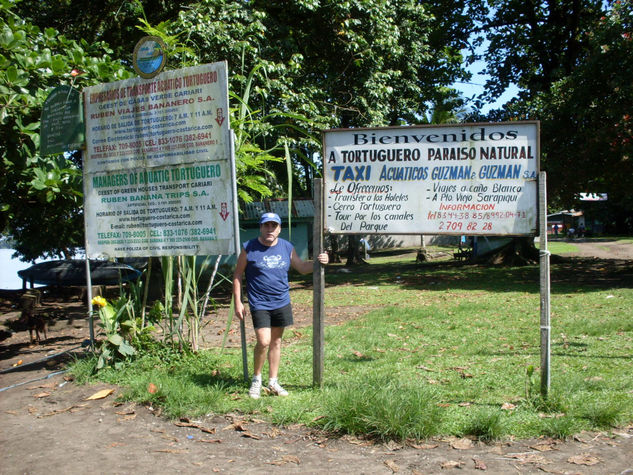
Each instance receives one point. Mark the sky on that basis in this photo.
(476, 87)
(476, 84)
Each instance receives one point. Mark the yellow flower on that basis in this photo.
(100, 301)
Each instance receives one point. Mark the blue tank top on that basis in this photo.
(267, 274)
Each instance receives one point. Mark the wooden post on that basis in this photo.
(318, 278)
(545, 287)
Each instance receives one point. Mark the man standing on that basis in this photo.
(266, 261)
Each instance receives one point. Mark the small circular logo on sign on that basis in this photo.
(149, 56)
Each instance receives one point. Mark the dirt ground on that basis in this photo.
(49, 424)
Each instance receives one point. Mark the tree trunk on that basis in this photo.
(354, 256)
(308, 172)
(519, 252)
(334, 249)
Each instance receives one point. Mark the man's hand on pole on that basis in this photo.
(323, 258)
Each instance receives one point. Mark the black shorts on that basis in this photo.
(281, 317)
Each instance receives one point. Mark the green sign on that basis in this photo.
(62, 123)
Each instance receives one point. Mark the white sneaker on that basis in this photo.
(256, 388)
(276, 390)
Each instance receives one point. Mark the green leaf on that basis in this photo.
(12, 74)
(58, 64)
(115, 339)
(78, 56)
(44, 58)
(103, 70)
(50, 33)
(6, 37)
(126, 349)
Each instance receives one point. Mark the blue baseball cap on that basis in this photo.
(266, 217)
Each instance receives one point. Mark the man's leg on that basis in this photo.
(274, 351)
(261, 347)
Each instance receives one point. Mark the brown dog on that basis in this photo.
(30, 316)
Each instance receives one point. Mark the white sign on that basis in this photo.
(594, 196)
(179, 116)
(467, 179)
(158, 167)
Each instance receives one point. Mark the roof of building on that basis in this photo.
(300, 208)
(570, 212)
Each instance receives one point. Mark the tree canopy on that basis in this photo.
(338, 64)
(113, 22)
(298, 67)
(534, 44)
(588, 120)
(41, 196)
(570, 60)
(295, 68)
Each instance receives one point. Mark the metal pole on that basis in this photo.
(545, 287)
(89, 295)
(318, 277)
(236, 234)
(91, 326)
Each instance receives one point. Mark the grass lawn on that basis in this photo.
(443, 349)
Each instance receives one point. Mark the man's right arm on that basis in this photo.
(240, 267)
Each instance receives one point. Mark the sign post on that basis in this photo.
(318, 278)
(545, 287)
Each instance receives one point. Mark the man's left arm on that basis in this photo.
(305, 267)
